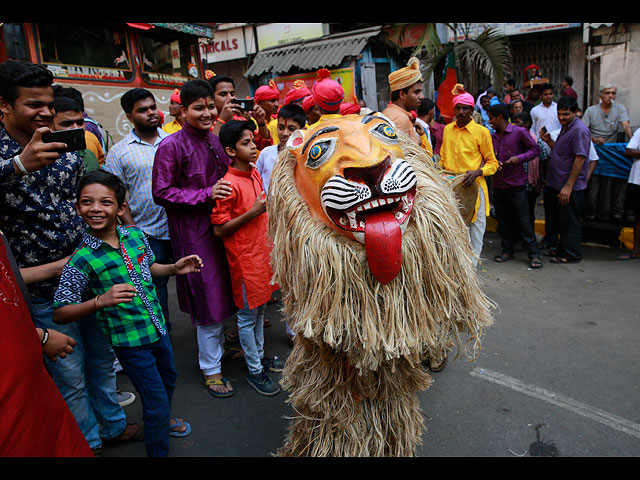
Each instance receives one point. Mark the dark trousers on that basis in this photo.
(568, 222)
(162, 251)
(514, 221)
(550, 218)
(152, 373)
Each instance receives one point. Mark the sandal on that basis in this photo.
(563, 260)
(536, 262)
(127, 435)
(179, 423)
(233, 336)
(217, 381)
(505, 257)
(439, 367)
(627, 256)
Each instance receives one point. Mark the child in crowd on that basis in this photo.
(241, 220)
(113, 266)
(291, 117)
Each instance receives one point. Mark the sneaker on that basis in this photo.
(272, 364)
(263, 384)
(125, 398)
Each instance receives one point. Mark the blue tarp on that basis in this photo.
(612, 162)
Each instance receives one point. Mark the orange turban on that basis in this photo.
(175, 96)
(267, 92)
(308, 103)
(208, 74)
(406, 76)
(327, 92)
(461, 97)
(298, 91)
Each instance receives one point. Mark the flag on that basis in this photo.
(445, 97)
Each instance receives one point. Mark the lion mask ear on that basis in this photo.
(296, 140)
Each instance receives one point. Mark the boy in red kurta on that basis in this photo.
(241, 220)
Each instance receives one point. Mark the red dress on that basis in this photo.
(248, 249)
(35, 420)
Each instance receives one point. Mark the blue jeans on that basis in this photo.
(152, 372)
(251, 333)
(162, 251)
(86, 378)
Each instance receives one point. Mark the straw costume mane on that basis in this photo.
(355, 370)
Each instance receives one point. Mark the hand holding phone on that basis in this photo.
(74, 139)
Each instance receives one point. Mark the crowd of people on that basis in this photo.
(90, 237)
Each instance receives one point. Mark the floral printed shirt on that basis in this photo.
(37, 212)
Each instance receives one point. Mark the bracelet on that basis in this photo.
(20, 166)
(263, 125)
(46, 336)
(95, 302)
(220, 120)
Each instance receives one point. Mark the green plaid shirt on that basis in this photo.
(96, 266)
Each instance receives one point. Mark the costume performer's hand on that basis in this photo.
(470, 176)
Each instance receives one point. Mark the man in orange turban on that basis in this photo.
(297, 94)
(406, 94)
(268, 96)
(311, 109)
(328, 95)
(176, 112)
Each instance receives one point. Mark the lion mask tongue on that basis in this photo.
(383, 244)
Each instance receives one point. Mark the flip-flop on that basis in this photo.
(505, 257)
(179, 423)
(232, 355)
(563, 260)
(536, 262)
(627, 256)
(218, 381)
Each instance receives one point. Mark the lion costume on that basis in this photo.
(376, 274)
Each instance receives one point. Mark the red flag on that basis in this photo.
(445, 97)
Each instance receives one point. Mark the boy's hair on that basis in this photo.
(194, 90)
(293, 112)
(546, 86)
(105, 178)
(232, 131)
(567, 103)
(425, 107)
(499, 109)
(525, 117)
(213, 81)
(20, 73)
(70, 92)
(65, 104)
(129, 99)
(568, 79)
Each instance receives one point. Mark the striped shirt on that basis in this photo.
(96, 266)
(131, 159)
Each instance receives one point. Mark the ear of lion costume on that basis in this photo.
(348, 190)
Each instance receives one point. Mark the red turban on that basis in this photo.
(175, 96)
(327, 92)
(350, 108)
(298, 91)
(267, 92)
(308, 103)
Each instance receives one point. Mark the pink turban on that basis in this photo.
(298, 91)
(308, 103)
(175, 96)
(349, 108)
(461, 97)
(327, 92)
(267, 92)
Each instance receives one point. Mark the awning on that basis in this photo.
(189, 28)
(329, 51)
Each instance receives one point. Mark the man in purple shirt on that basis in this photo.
(513, 147)
(186, 180)
(566, 180)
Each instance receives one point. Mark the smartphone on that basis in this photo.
(74, 139)
(246, 104)
(544, 129)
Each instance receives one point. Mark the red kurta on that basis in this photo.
(248, 248)
(35, 420)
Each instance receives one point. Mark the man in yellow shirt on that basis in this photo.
(268, 97)
(467, 149)
(175, 112)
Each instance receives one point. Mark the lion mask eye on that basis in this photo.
(320, 152)
(385, 132)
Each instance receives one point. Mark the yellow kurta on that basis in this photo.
(272, 125)
(469, 148)
(324, 118)
(172, 127)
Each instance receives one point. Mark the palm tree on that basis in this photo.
(485, 56)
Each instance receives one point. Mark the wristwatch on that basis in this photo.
(46, 335)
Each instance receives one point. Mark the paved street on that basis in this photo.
(557, 376)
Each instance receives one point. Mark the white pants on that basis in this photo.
(477, 228)
(210, 347)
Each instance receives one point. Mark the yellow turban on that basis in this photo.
(406, 76)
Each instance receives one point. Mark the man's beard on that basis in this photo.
(145, 128)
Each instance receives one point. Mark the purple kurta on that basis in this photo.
(187, 165)
(518, 141)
